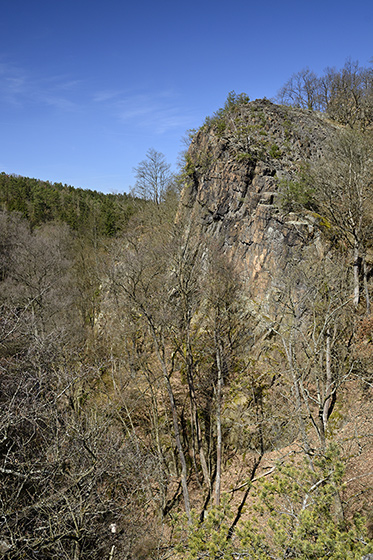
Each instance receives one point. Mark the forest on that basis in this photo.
(161, 399)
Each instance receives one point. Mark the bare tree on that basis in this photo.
(345, 95)
(315, 334)
(301, 90)
(66, 471)
(344, 192)
(225, 328)
(140, 279)
(153, 177)
(348, 94)
(187, 266)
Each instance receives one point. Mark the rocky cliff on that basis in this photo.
(238, 165)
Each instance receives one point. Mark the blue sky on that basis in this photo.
(87, 87)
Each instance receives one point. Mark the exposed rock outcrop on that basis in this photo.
(236, 167)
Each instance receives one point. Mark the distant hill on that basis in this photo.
(41, 202)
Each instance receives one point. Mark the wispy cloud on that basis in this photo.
(106, 95)
(18, 88)
(165, 119)
(159, 111)
(58, 102)
(12, 83)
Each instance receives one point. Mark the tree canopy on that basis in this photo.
(345, 95)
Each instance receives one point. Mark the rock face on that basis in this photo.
(236, 169)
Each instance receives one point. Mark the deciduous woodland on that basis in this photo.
(186, 372)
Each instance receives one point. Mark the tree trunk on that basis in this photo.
(328, 388)
(219, 442)
(297, 393)
(366, 287)
(194, 412)
(175, 425)
(356, 274)
(243, 501)
(179, 447)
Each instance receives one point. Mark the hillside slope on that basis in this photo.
(249, 190)
(161, 386)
